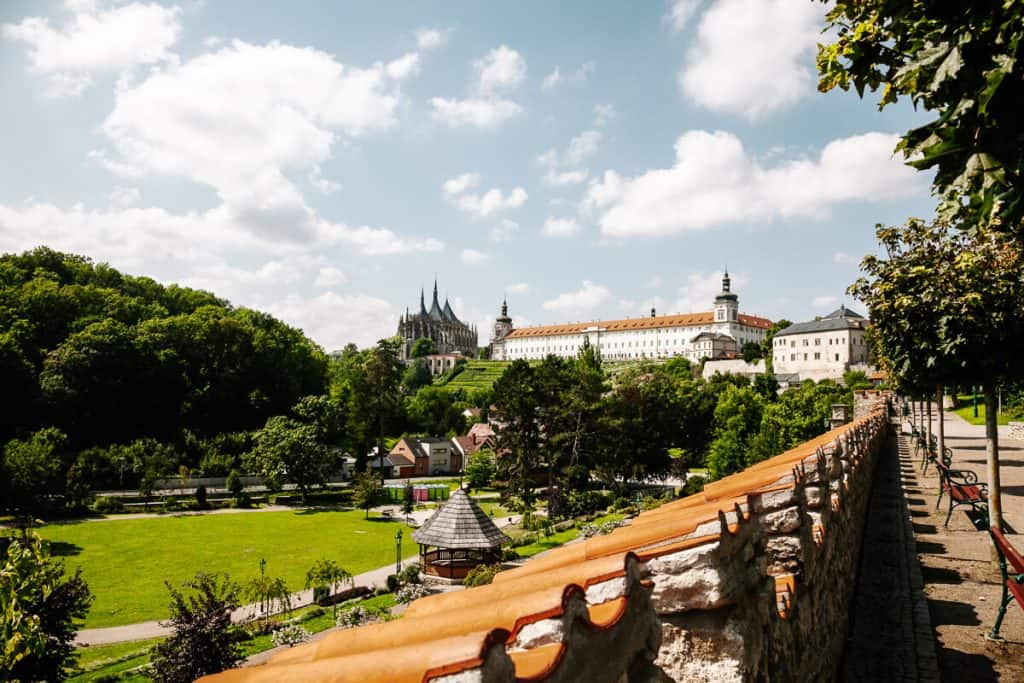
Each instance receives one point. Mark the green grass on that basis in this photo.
(966, 411)
(477, 374)
(125, 562)
(561, 537)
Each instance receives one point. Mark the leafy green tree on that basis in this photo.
(371, 382)
(32, 469)
(737, 420)
(286, 449)
(235, 487)
(416, 375)
(367, 491)
(423, 347)
(328, 575)
(767, 386)
(39, 610)
(947, 308)
(434, 411)
(751, 352)
(269, 593)
(324, 413)
(639, 427)
(480, 469)
(516, 402)
(960, 64)
(21, 387)
(200, 642)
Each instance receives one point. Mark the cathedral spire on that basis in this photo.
(423, 307)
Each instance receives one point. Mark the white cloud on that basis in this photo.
(560, 227)
(824, 302)
(491, 202)
(330, 276)
(325, 185)
(488, 112)
(429, 38)
(501, 68)
(582, 74)
(552, 79)
(700, 290)
(125, 196)
(603, 114)
(680, 13)
(582, 146)
(460, 184)
(844, 258)
(517, 288)
(564, 169)
(96, 41)
(405, 66)
(504, 231)
(554, 178)
(753, 56)
(472, 256)
(335, 320)
(715, 181)
(588, 297)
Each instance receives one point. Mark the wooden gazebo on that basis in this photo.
(458, 537)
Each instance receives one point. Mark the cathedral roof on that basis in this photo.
(448, 313)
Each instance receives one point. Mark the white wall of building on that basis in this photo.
(819, 355)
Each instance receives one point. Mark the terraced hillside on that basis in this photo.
(477, 374)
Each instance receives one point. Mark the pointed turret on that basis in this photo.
(435, 308)
(423, 307)
(447, 313)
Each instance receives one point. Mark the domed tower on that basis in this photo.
(727, 305)
(502, 328)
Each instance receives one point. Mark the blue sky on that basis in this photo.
(322, 161)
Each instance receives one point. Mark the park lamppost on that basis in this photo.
(398, 552)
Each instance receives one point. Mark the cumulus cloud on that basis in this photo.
(97, 39)
(715, 181)
(480, 205)
(335, 320)
(501, 69)
(580, 75)
(680, 13)
(587, 297)
(552, 79)
(504, 231)
(603, 114)
(405, 66)
(473, 257)
(429, 38)
(564, 168)
(125, 196)
(560, 227)
(330, 276)
(753, 56)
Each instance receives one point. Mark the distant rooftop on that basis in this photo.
(840, 319)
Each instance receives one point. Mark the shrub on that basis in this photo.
(106, 505)
(693, 485)
(481, 575)
(201, 501)
(509, 554)
(393, 582)
(314, 613)
(352, 617)
(322, 595)
(585, 502)
(410, 574)
(290, 635)
(409, 592)
(171, 504)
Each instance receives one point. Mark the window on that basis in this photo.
(837, 356)
(817, 342)
(792, 356)
(805, 356)
(817, 356)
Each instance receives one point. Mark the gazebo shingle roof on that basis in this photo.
(460, 524)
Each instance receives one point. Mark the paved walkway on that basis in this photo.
(961, 580)
(155, 629)
(890, 631)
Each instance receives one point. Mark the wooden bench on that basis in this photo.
(1013, 578)
(931, 457)
(963, 489)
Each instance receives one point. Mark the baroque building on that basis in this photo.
(822, 349)
(440, 324)
(718, 333)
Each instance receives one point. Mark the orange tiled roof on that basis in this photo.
(455, 632)
(679, 320)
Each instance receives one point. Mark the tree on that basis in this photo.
(21, 388)
(434, 411)
(270, 593)
(201, 642)
(423, 347)
(39, 608)
(947, 307)
(480, 469)
(235, 487)
(767, 386)
(516, 403)
(958, 62)
(416, 375)
(367, 491)
(288, 449)
(737, 420)
(372, 382)
(751, 352)
(32, 470)
(328, 575)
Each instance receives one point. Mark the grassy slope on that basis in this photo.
(478, 374)
(125, 562)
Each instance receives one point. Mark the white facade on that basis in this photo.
(821, 349)
(670, 336)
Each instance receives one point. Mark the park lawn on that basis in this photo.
(966, 411)
(561, 537)
(126, 561)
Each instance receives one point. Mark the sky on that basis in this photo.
(324, 161)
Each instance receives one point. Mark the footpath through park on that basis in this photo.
(156, 629)
(927, 594)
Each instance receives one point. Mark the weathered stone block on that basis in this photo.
(782, 521)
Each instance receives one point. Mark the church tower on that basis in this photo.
(726, 303)
(502, 328)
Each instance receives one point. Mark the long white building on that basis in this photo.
(719, 333)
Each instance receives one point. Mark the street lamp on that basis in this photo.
(639, 502)
(398, 551)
